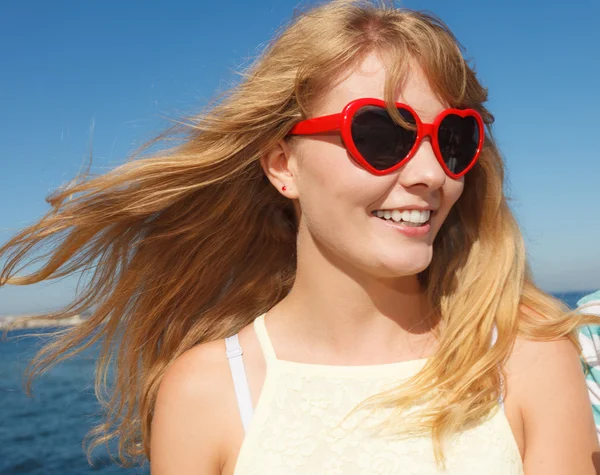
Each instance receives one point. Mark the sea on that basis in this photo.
(43, 434)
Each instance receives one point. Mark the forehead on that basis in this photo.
(367, 79)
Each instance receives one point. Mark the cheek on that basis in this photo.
(328, 179)
(334, 191)
(452, 190)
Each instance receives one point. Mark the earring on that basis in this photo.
(283, 188)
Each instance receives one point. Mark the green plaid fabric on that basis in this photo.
(589, 337)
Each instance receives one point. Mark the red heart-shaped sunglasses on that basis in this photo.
(381, 145)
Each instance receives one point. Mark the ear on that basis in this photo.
(279, 165)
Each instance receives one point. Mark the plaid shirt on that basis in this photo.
(589, 337)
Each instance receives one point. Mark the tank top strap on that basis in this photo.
(502, 383)
(494, 335)
(263, 338)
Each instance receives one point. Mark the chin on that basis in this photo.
(403, 266)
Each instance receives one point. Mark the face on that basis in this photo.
(338, 198)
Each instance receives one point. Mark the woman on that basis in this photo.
(365, 262)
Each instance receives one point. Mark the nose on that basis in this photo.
(423, 168)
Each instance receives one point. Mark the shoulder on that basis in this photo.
(192, 412)
(530, 356)
(201, 371)
(541, 374)
(546, 381)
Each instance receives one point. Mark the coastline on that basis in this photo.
(20, 322)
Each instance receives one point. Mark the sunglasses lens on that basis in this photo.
(381, 141)
(458, 138)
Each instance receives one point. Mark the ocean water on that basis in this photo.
(43, 435)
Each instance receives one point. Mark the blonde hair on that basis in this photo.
(191, 242)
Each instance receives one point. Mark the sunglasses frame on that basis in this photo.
(343, 121)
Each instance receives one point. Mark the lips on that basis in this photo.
(407, 229)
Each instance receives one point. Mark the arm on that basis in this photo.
(187, 432)
(549, 386)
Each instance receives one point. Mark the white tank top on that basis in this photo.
(294, 428)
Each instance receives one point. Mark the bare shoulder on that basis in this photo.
(546, 382)
(192, 413)
(527, 354)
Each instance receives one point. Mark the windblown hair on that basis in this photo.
(191, 243)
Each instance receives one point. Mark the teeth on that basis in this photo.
(409, 216)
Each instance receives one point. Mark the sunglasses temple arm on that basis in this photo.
(327, 123)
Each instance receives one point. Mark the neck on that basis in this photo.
(343, 314)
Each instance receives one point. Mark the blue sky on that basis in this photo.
(113, 70)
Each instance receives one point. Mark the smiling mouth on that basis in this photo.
(411, 218)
